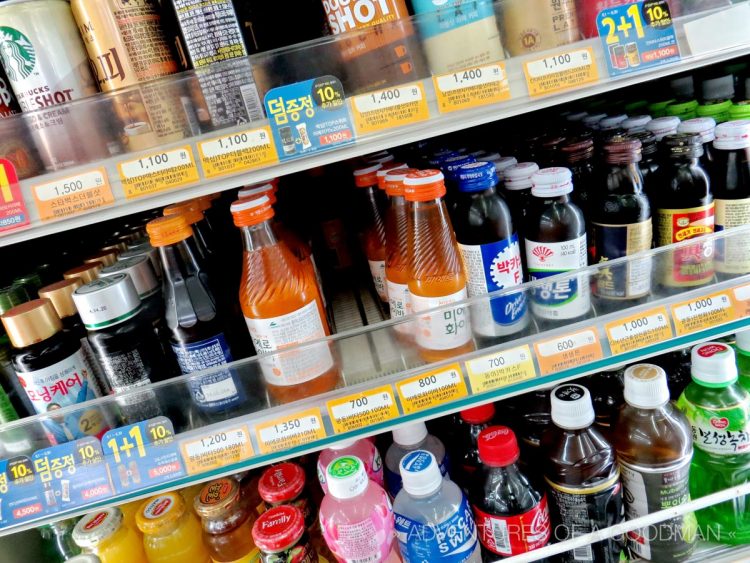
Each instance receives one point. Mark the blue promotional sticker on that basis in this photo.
(21, 494)
(142, 455)
(447, 16)
(637, 36)
(309, 116)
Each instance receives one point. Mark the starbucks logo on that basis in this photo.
(17, 53)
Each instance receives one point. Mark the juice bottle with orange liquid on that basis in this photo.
(373, 234)
(437, 276)
(397, 248)
(105, 534)
(282, 308)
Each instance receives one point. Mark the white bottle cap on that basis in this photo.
(346, 477)
(713, 365)
(411, 434)
(591, 121)
(97, 526)
(743, 340)
(732, 135)
(253, 190)
(107, 301)
(502, 164)
(613, 122)
(141, 273)
(518, 176)
(721, 88)
(682, 87)
(571, 407)
(646, 386)
(552, 182)
(636, 123)
(704, 126)
(420, 473)
(663, 126)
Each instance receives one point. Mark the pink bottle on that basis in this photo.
(363, 449)
(356, 515)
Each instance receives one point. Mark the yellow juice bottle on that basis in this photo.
(105, 534)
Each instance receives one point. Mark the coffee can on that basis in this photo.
(15, 142)
(47, 66)
(127, 48)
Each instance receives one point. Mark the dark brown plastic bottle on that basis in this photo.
(582, 477)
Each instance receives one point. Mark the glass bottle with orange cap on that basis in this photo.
(282, 307)
(53, 370)
(171, 532)
(227, 522)
(437, 277)
(105, 534)
(197, 327)
(373, 233)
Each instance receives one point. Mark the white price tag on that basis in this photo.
(157, 162)
(232, 143)
(638, 325)
(429, 383)
(561, 62)
(471, 77)
(387, 98)
(218, 442)
(567, 343)
(73, 185)
(289, 428)
(702, 306)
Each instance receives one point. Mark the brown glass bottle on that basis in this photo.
(649, 163)
(578, 154)
(621, 223)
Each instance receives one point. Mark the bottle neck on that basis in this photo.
(258, 236)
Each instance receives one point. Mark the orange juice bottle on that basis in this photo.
(397, 248)
(171, 532)
(373, 235)
(282, 307)
(105, 534)
(437, 276)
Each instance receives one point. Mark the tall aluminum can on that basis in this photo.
(15, 143)
(47, 65)
(127, 48)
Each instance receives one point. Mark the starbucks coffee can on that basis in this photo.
(15, 142)
(47, 66)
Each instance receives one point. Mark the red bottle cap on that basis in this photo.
(498, 446)
(281, 483)
(279, 528)
(478, 415)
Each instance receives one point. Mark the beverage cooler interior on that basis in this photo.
(374, 281)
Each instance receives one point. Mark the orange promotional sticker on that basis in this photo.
(568, 351)
(390, 107)
(158, 171)
(364, 409)
(290, 431)
(432, 388)
(561, 71)
(703, 312)
(71, 195)
(216, 450)
(639, 331)
(238, 152)
(472, 87)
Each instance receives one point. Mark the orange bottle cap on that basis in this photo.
(249, 212)
(160, 512)
(385, 169)
(168, 230)
(394, 181)
(204, 203)
(366, 176)
(189, 209)
(424, 185)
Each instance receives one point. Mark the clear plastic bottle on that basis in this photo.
(356, 515)
(654, 447)
(407, 439)
(718, 409)
(433, 518)
(363, 449)
(437, 276)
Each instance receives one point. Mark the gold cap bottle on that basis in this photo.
(86, 272)
(31, 322)
(106, 257)
(61, 296)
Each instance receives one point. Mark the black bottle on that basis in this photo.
(579, 153)
(517, 192)
(649, 163)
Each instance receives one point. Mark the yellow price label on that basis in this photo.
(290, 431)
(71, 195)
(361, 410)
(238, 152)
(568, 351)
(472, 87)
(501, 369)
(432, 388)
(390, 107)
(158, 171)
(559, 72)
(703, 312)
(638, 331)
(216, 450)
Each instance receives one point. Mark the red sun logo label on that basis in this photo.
(542, 253)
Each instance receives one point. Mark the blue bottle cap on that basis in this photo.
(476, 177)
(451, 165)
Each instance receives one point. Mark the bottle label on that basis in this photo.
(512, 535)
(492, 267)
(202, 355)
(60, 385)
(580, 510)
(692, 265)
(446, 16)
(276, 333)
(394, 483)
(629, 280)
(566, 299)
(721, 431)
(733, 254)
(453, 540)
(651, 490)
(443, 330)
(377, 270)
(399, 304)
(125, 370)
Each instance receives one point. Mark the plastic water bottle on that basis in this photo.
(434, 521)
(407, 439)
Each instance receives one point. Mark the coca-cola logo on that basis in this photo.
(542, 253)
(710, 349)
(540, 523)
(491, 435)
(720, 423)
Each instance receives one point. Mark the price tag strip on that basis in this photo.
(13, 212)
(361, 410)
(637, 36)
(158, 171)
(432, 389)
(239, 152)
(290, 431)
(21, 493)
(742, 300)
(501, 369)
(568, 351)
(563, 71)
(391, 107)
(73, 194)
(471, 88)
(703, 312)
(143, 454)
(638, 331)
(216, 450)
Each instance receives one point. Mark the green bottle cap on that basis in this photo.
(658, 109)
(31, 282)
(740, 110)
(683, 110)
(11, 296)
(718, 109)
